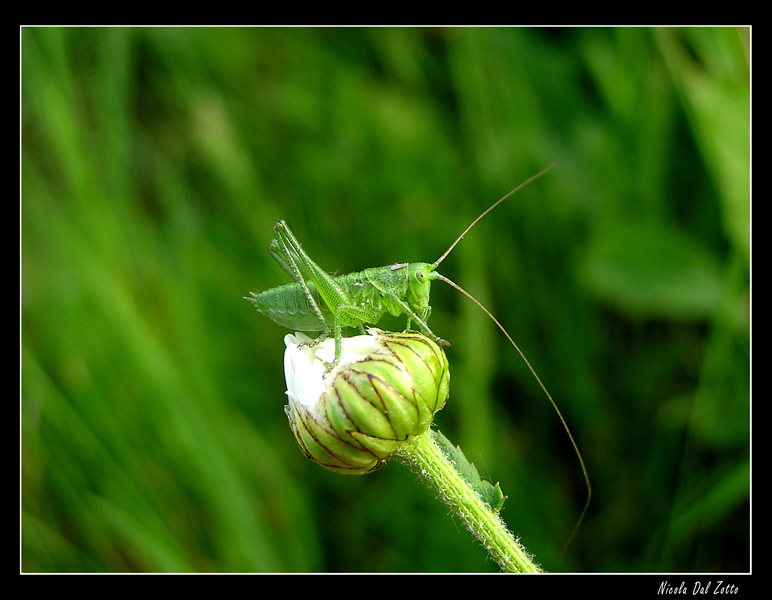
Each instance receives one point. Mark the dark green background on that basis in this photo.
(154, 163)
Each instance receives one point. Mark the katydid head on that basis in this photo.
(419, 285)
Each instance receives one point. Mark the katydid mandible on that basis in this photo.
(318, 301)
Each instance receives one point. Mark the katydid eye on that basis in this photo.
(420, 276)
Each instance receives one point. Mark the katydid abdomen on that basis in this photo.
(288, 306)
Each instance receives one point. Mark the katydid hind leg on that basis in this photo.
(329, 291)
(276, 252)
(337, 300)
(289, 263)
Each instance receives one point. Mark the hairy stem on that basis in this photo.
(422, 455)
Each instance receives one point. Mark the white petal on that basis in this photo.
(305, 364)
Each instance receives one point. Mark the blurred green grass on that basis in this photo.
(154, 163)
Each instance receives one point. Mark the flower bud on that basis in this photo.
(386, 388)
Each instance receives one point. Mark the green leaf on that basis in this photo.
(491, 494)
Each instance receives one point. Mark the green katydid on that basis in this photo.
(318, 301)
